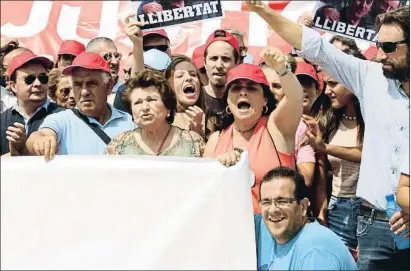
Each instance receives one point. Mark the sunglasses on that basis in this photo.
(68, 57)
(65, 91)
(109, 56)
(162, 48)
(29, 79)
(389, 47)
(127, 71)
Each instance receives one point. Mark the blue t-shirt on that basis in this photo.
(315, 247)
(74, 137)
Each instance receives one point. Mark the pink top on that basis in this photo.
(304, 153)
(262, 153)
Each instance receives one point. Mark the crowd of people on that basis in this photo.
(326, 130)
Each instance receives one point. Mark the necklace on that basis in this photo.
(349, 118)
(246, 131)
(164, 140)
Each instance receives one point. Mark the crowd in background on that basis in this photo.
(326, 130)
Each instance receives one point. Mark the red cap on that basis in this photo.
(71, 47)
(223, 36)
(160, 32)
(306, 69)
(198, 56)
(24, 57)
(247, 71)
(88, 60)
(370, 52)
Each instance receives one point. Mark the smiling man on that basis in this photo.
(87, 129)
(287, 240)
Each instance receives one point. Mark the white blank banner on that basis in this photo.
(124, 212)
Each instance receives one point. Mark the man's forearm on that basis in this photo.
(288, 30)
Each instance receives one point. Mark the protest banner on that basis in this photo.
(162, 13)
(126, 212)
(352, 18)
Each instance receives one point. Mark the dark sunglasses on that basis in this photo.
(127, 71)
(162, 48)
(65, 91)
(43, 78)
(109, 56)
(389, 47)
(68, 57)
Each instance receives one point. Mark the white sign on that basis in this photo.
(126, 212)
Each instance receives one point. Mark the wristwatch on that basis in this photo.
(287, 69)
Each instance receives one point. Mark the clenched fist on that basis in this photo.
(255, 5)
(16, 135)
(275, 59)
(230, 158)
(194, 115)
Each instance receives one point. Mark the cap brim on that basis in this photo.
(148, 34)
(48, 64)
(246, 78)
(307, 74)
(69, 70)
(67, 53)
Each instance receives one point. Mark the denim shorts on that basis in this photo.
(342, 219)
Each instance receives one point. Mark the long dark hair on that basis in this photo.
(329, 119)
(169, 74)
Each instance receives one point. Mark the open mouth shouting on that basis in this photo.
(243, 106)
(190, 91)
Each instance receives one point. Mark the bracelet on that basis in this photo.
(283, 73)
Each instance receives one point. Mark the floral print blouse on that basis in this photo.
(189, 144)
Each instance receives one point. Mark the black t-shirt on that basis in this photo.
(11, 116)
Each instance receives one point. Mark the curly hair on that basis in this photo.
(169, 75)
(148, 78)
(54, 79)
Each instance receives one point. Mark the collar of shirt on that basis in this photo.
(117, 85)
(115, 114)
(25, 117)
(398, 85)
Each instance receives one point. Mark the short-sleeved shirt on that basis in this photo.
(315, 247)
(304, 153)
(76, 137)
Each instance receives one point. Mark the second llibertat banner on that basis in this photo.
(123, 213)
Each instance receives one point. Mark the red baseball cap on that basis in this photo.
(198, 56)
(306, 69)
(160, 32)
(247, 71)
(223, 36)
(25, 57)
(87, 60)
(71, 47)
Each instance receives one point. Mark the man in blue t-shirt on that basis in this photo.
(285, 238)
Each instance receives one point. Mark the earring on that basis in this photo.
(168, 114)
(265, 109)
(227, 110)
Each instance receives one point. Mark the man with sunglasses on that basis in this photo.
(383, 92)
(285, 237)
(28, 80)
(69, 49)
(107, 49)
(156, 39)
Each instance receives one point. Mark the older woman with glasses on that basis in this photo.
(253, 123)
(153, 105)
(60, 89)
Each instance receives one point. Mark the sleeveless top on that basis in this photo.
(262, 153)
(189, 144)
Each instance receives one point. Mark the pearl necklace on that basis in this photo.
(349, 118)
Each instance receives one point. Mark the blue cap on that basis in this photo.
(248, 59)
(389, 197)
(156, 60)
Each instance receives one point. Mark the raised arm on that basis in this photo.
(135, 34)
(348, 70)
(284, 120)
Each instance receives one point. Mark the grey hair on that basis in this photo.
(96, 42)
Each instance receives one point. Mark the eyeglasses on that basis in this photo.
(65, 91)
(162, 48)
(29, 79)
(109, 56)
(389, 47)
(279, 202)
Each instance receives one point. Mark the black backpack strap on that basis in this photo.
(106, 139)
